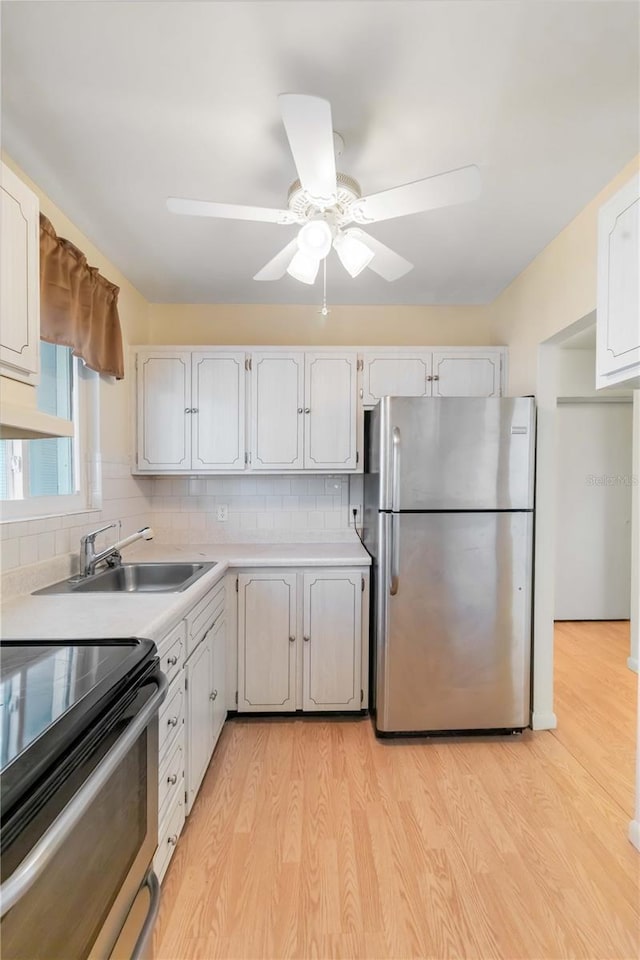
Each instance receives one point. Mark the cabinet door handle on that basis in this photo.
(194, 410)
(173, 778)
(172, 721)
(306, 639)
(188, 410)
(429, 378)
(307, 410)
(173, 839)
(292, 639)
(436, 376)
(213, 695)
(172, 661)
(300, 410)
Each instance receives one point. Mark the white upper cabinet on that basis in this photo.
(330, 411)
(267, 642)
(395, 375)
(474, 372)
(277, 411)
(456, 374)
(218, 412)
(164, 404)
(19, 279)
(332, 647)
(304, 411)
(191, 411)
(618, 315)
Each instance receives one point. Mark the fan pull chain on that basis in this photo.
(324, 311)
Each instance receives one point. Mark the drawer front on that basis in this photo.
(171, 718)
(203, 615)
(172, 652)
(170, 830)
(170, 775)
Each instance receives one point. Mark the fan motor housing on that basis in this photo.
(303, 207)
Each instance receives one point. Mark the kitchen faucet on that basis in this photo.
(89, 559)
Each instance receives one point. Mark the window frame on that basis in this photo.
(86, 409)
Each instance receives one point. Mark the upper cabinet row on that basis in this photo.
(270, 410)
(618, 314)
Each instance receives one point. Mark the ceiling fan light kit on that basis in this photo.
(324, 202)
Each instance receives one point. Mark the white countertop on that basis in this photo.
(91, 616)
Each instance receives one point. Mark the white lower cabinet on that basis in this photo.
(302, 640)
(193, 657)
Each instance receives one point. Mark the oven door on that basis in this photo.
(75, 882)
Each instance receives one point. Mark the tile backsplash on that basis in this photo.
(258, 508)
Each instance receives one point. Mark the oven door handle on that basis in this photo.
(28, 871)
(152, 883)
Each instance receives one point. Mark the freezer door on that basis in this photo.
(454, 627)
(456, 453)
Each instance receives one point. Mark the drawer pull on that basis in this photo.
(306, 639)
(172, 661)
(213, 695)
(173, 778)
(172, 721)
(173, 839)
(292, 639)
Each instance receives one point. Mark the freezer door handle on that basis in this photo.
(395, 470)
(395, 554)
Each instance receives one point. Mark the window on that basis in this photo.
(39, 477)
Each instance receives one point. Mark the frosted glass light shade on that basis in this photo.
(315, 238)
(303, 268)
(354, 254)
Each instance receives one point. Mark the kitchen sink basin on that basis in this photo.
(135, 578)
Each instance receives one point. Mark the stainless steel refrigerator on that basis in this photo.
(448, 520)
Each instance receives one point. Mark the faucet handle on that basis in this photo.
(90, 537)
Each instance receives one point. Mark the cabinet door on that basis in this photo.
(164, 411)
(219, 677)
(217, 422)
(467, 374)
(332, 654)
(395, 375)
(19, 279)
(330, 411)
(618, 315)
(198, 672)
(267, 642)
(277, 415)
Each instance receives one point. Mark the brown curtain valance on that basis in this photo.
(78, 306)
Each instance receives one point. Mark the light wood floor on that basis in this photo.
(311, 839)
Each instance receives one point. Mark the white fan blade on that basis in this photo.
(228, 211)
(386, 263)
(443, 190)
(277, 267)
(307, 121)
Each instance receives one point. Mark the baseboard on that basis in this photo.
(634, 833)
(632, 663)
(543, 721)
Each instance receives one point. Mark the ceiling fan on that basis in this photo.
(325, 202)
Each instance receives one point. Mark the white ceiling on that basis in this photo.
(112, 107)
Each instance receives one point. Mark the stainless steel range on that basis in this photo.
(78, 786)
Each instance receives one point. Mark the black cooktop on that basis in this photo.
(49, 691)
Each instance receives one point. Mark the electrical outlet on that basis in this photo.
(358, 517)
(222, 512)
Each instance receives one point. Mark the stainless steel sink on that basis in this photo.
(135, 578)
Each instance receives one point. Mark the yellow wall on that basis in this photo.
(133, 310)
(302, 325)
(556, 289)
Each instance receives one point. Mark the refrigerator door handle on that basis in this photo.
(395, 506)
(395, 554)
(395, 470)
